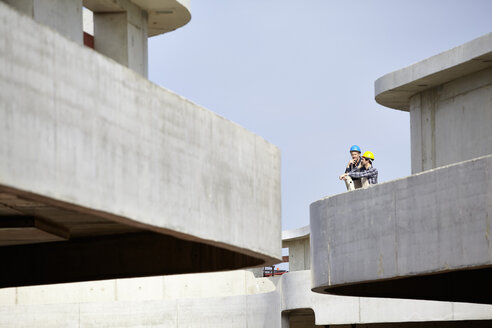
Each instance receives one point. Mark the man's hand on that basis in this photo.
(350, 163)
(343, 176)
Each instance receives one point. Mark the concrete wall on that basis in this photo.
(64, 16)
(452, 122)
(305, 308)
(226, 299)
(433, 222)
(85, 131)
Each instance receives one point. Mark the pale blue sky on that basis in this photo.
(301, 74)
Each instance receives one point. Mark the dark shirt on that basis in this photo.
(352, 166)
(371, 174)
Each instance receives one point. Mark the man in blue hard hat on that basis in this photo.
(353, 164)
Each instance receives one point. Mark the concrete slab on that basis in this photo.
(395, 89)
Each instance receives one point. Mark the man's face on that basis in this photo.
(355, 155)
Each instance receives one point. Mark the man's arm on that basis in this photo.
(363, 174)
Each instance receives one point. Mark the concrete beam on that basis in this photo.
(395, 89)
(425, 236)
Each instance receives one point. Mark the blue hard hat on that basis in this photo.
(355, 148)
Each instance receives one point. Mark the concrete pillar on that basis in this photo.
(64, 16)
(299, 254)
(451, 123)
(122, 36)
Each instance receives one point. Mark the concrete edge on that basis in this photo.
(394, 90)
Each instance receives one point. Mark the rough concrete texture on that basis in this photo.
(163, 15)
(63, 16)
(297, 241)
(295, 290)
(452, 122)
(395, 89)
(122, 36)
(434, 222)
(84, 132)
(226, 299)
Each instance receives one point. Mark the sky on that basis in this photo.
(301, 75)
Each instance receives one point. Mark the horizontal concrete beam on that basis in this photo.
(395, 89)
(85, 136)
(425, 236)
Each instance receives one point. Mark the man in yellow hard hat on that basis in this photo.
(367, 171)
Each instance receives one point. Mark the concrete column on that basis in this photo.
(64, 16)
(122, 36)
(451, 123)
(299, 255)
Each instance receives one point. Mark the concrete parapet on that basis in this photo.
(425, 236)
(144, 181)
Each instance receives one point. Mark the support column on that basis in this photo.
(122, 36)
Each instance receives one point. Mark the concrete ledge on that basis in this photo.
(395, 89)
(163, 15)
(295, 289)
(91, 144)
(294, 234)
(425, 236)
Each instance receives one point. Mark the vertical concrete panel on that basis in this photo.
(111, 36)
(65, 16)
(464, 119)
(416, 133)
(428, 119)
(418, 237)
(452, 123)
(137, 41)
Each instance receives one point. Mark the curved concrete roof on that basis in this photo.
(395, 89)
(164, 15)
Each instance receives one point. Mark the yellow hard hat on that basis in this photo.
(368, 154)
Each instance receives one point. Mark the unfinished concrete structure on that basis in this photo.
(225, 299)
(107, 175)
(425, 236)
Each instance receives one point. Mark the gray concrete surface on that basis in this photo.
(123, 35)
(395, 89)
(297, 241)
(63, 16)
(452, 123)
(424, 236)
(226, 299)
(91, 138)
(163, 15)
(333, 310)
